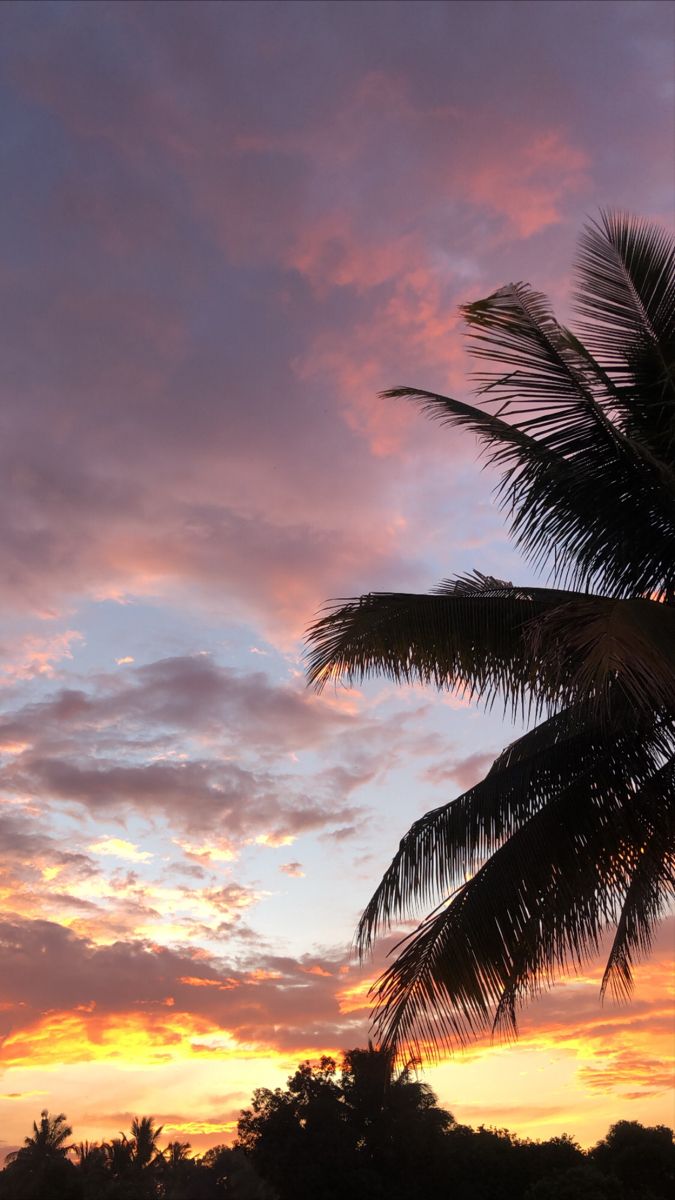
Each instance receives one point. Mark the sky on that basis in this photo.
(225, 228)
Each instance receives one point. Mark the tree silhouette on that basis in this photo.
(362, 1130)
(571, 832)
(143, 1141)
(235, 1176)
(41, 1168)
(642, 1159)
(92, 1162)
(118, 1152)
(579, 1183)
(48, 1141)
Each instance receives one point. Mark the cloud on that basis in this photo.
(188, 694)
(338, 231)
(71, 994)
(37, 868)
(630, 1075)
(294, 869)
(210, 749)
(32, 655)
(464, 771)
(120, 848)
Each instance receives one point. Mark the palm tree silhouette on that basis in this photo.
(47, 1143)
(571, 832)
(119, 1155)
(143, 1141)
(175, 1153)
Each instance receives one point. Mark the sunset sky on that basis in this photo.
(225, 227)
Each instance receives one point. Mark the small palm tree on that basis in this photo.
(88, 1154)
(175, 1153)
(118, 1155)
(571, 832)
(47, 1143)
(143, 1141)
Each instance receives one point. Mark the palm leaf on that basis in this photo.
(451, 842)
(599, 511)
(571, 832)
(536, 647)
(604, 646)
(473, 638)
(651, 887)
(626, 300)
(537, 908)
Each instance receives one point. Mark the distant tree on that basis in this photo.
(641, 1157)
(48, 1141)
(144, 1138)
(579, 1183)
(175, 1154)
(395, 1118)
(181, 1177)
(92, 1164)
(361, 1131)
(297, 1137)
(552, 1157)
(486, 1164)
(235, 1176)
(118, 1154)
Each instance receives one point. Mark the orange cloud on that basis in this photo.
(67, 1038)
(355, 998)
(220, 985)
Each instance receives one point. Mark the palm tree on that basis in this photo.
(570, 834)
(175, 1153)
(389, 1107)
(118, 1155)
(144, 1137)
(92, 1160)
(41, 1167)
(48, 1141)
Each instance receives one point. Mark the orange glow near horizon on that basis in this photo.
(583, 1054)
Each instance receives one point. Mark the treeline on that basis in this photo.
(360, 1131)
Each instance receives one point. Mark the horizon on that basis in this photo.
(227, 229)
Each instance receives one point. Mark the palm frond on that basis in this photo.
(548, 382)
(475, 640)
(571, 832)
(538, 908)
(603, 646)
(651, 888)
(450, 843)
(626, 301)
(472, 584)
(598, 509)
(537, 648)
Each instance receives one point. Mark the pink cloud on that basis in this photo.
(464, 771)
(294, 869)
(529, 180)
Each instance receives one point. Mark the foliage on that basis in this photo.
(571, 833)
(359, 1129)
(640, 1158)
